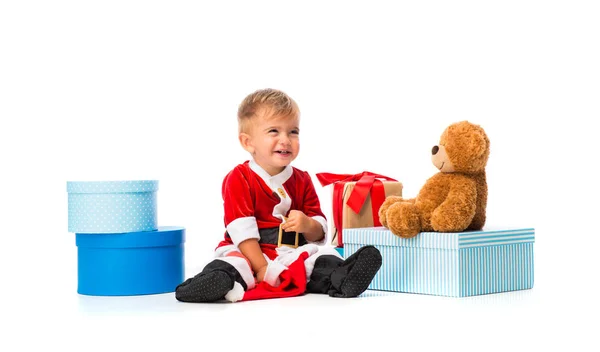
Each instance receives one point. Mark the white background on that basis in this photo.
(114, 90)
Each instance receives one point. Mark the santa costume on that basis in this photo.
(256, 204)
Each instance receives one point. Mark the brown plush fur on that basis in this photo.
(452, 200)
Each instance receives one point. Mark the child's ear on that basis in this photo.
(246, 142)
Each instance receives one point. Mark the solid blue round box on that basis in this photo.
(136, 263)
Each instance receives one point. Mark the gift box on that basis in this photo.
(126, 264)
(449, 264)
(112, 206)
(356, 200)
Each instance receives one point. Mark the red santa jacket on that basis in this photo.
(255, 201)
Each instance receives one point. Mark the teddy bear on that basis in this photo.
(455, 198)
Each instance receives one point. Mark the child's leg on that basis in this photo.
(337, 277)
(229, 274)
(319, 267)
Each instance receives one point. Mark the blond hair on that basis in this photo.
(271, 102)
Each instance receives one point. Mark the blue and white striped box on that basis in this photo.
(456, 264)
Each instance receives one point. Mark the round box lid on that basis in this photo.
(112, 186)
(164, 236)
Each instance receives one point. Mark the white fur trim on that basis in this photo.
(236, 293)
(275, 183)
(242, 229)
(224, 250)
(279, 179)
(241, 265)
(274, 269)
(287, 255)
(309, 264)
(284, 205)
(321, 220)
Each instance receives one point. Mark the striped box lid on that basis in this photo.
(446, 240)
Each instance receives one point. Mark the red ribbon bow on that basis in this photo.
(366, 183)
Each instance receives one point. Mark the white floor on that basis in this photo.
(43, 316)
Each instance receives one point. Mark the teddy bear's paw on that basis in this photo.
(403, 219)
(446, 221)
(385, 206)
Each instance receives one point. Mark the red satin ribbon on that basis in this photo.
(366, 183)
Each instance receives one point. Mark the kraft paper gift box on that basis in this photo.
(449, 264)
(356, 200)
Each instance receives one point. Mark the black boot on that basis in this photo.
(212, 284)
(345, 278)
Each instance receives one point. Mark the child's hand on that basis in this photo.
(260, 274)
(297, 221)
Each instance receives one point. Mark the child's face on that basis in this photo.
(273, 141)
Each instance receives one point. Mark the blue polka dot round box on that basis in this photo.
(112, 206)
(127, 264)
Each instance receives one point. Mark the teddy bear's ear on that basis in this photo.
(479, 142)
(467, 146)
(479, 146)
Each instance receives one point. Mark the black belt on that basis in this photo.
(274, 236)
